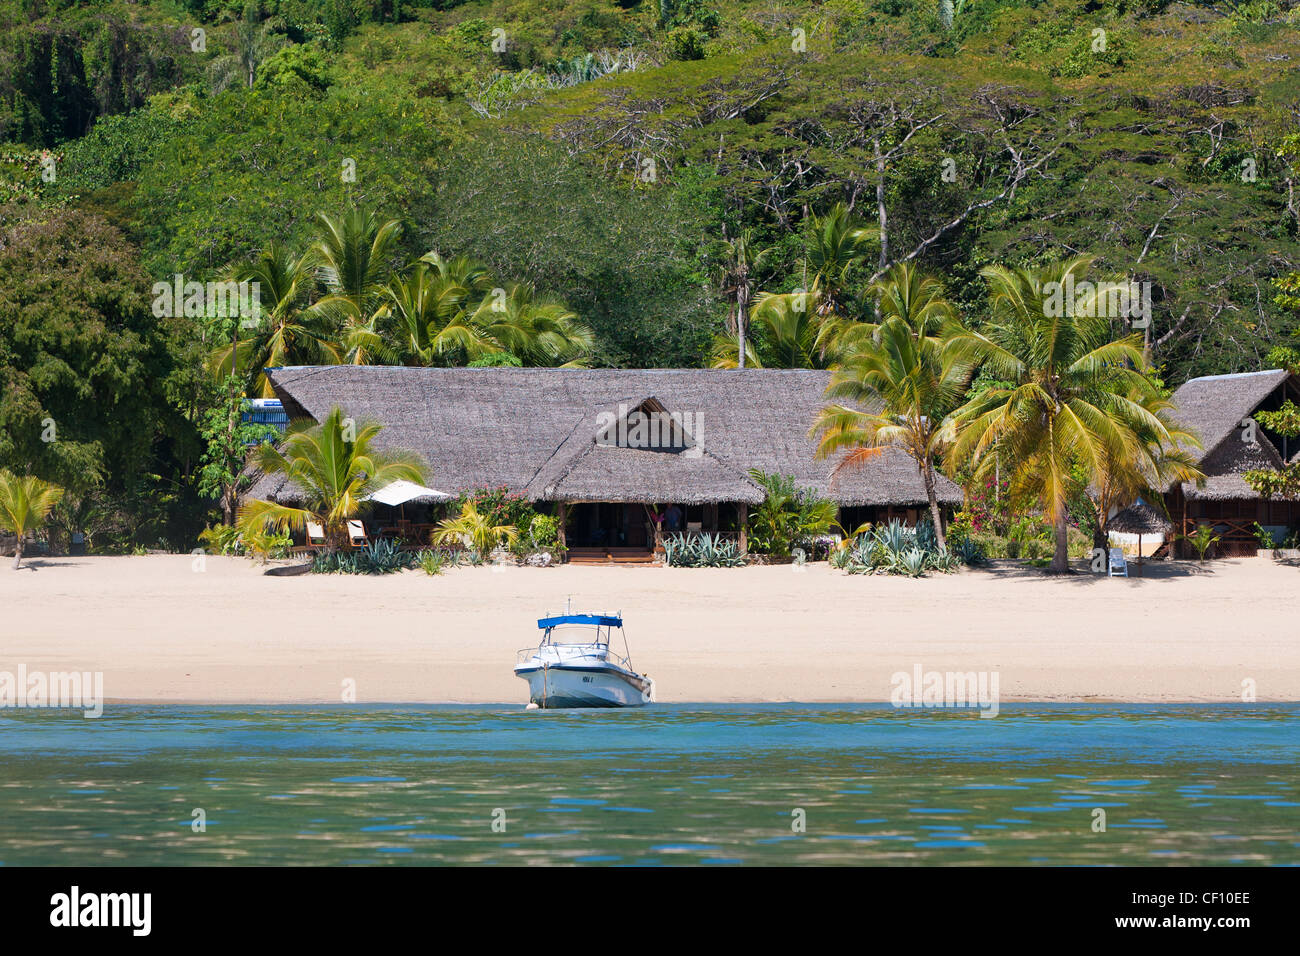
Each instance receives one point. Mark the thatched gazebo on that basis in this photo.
(1140, 519)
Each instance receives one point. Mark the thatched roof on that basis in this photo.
(536, 431)
(1214, 407)
(1139, 518)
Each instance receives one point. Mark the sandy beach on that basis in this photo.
(161, 631)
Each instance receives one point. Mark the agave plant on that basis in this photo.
(913, 562)
(701, 551)
(895, 536)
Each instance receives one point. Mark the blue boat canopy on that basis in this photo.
(599, 620)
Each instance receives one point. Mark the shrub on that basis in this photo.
(787, 517)
(222, 539)
(381, 556)
(895, 548)
(968, 551)
(432, 562)
(701, 551)
(543, 535)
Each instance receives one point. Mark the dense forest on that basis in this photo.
(614, 181)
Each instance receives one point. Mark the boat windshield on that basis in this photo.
(584, 630)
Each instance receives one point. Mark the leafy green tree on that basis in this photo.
(306, 152)
(1281, 482)
(85, 366)
(628, 262)
(223, 473)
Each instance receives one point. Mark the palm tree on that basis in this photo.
(1069, 405)
(447, 312)
(836, 244)
(352, 256)
(475, 530)
(25, 503)
(790, 323)
(254, 43)
(538, 330)
(900, 383)
(740, 260)
(333, 466)
(289, 332)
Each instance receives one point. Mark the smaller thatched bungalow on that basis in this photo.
(1220, 409)
(610, 450)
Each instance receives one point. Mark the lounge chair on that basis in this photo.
(1118, 565)
(357, 534)
(315, 535)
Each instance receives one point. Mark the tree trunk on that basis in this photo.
(741, 317)
(1061, 559)
(18, 551)
(1100, 539)
(880, 205)
(932, 496)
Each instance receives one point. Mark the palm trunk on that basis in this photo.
(18, 551)
(1061, 559)
(932, 496)
(740, 333)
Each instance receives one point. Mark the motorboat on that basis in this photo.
(574, 665)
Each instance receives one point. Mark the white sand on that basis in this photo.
(162, 632)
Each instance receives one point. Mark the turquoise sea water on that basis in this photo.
(668, 784)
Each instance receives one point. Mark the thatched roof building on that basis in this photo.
(1220, 409)
(551, 433)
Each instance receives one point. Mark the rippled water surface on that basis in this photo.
(718, 785)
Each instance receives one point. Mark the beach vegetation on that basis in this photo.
(788, 516)
(702, 551)
(381, 556)
(223, 539)
(894, 548)
(541, 536)
(897, 382)
(229, 441)
(475, 531)
(1201, 540)
(431, 561)
(25, 503)
(332, 466)
(1076, 397)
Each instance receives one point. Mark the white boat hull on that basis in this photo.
(605, 685)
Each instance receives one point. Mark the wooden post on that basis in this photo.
(562, 518)
(742, 515)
